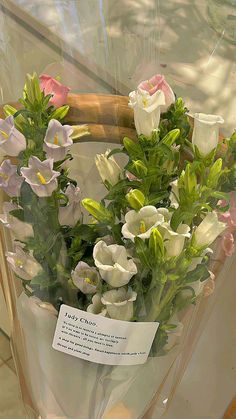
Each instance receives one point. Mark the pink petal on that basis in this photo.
(155, 83)
(227, 244)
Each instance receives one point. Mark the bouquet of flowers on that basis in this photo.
(141, 254)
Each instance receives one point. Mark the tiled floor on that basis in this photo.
(10, 403)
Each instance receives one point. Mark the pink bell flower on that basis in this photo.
(51, 86)
(156, 83)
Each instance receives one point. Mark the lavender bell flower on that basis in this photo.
(23, 264)
(86, 278)
(10, 181)
(41, 176)
(57, 140)
(12, 141)
(20, 230)
(70, 214)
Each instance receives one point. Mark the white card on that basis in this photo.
(102, 340)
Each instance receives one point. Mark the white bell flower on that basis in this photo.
(174, 195)
(141, 223)
(108, 168)
(174, 240)
(97, 306)
(70, 214)
(85, 278)
(23, 264)
(113, 263)
(119, 303)
(206, 132)
(147, 110)
(208, 230)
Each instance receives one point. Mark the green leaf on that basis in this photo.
(159, 342)
(220, 195)
(200, 273)
(168, 326)
(42, 281)
(154, 198)
(24, 112)
(180, 216)
(19, 214)
(115, 151)
(181, 301)
(166, 150)
(121, 188)
(84, 232)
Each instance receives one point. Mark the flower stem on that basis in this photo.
(158, 306)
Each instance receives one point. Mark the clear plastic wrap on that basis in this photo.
(102, 54)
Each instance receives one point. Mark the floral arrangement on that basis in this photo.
(144, 254)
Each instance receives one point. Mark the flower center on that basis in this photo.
(19, 263)
(145, 102)
(41, 178)
(150, 84)
(56, 140)
(4, 134)
(89, 281)
(142, 227)
(4, 176)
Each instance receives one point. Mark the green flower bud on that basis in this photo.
(140, 168)
(32, 88)
(214, 174)
(19, 120)
(171, 137)
(156, 245)
(132, 148)
(97, 210)
(9, 110)
(135, 199)
(190, 180)
(60, 113)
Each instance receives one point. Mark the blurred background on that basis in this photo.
(108, 46)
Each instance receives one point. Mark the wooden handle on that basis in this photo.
(108, 117)
(100, 109)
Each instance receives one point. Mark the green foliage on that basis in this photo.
(176, 118)
(142, 252)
